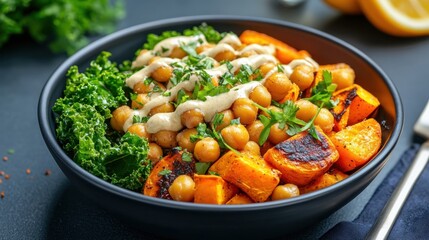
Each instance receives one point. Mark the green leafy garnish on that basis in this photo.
(321, 94)
(186, 156)
(201, 167)
(164, 172)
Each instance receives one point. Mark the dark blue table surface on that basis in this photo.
(37, 206)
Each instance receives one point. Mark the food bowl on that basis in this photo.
(259, 220)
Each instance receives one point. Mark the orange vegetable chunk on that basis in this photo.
(357, 144)
(239, 198)
(355, 105)
(284, 52)
(329, 178)
(213, 189)
(248, 172)
(302, 158)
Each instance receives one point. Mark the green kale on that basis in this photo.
(64, 24)
(81, 119)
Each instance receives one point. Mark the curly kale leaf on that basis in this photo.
(101, 86)
(82, 129)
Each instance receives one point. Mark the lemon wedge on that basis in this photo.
(403, 18)
(345, 6)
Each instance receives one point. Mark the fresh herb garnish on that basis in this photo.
(321, 94)
(186, 156)
(201, 167)
(164, 172)
(140, 119)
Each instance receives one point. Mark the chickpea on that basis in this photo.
(248, 53)
(178, 52)
(255, 129)
(244, 109)
(203, 47)
(277, 135)
(225, 56)
(140, 130)
(252, 148)
(278, 84)
(303, 76)
(207, 150)
(235, 136)
(142, 87)
(228, 115)
(266, 68)
(306, 111)
(184, 139)
(285, 191)
(261, 96)
(165, 138)
(325, 120)
(344, 77)
(192, 118)
(119, 116)
(163, 108)
(155, 153)
(182, 189)
(162, 74)
(140, 100)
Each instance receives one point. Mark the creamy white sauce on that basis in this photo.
(212, 105)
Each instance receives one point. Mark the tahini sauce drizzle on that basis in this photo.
(212, 105)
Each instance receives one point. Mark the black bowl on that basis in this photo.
(259, 220)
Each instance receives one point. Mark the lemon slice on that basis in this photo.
(398, 17)
(345, 6)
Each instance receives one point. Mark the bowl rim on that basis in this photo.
(44, 113)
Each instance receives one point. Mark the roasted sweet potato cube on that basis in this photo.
(240, 198)
(213, 189)
(355, 105)
(164, 172)
(303, 158)
(357, 144)
(248, 172)
(329, 178)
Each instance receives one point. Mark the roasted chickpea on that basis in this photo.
(306, 111)
(140, 100)
(261, 96)
(278, 84)
(325, 120)
(287, 190)
(248, 53)
(271, 108)
(184, 139)
(344, 77)
(139, 129)
(207, 150)
(165, 138)
(163, 108)
(254, 129)
(235, 136)
(142, 87)
(266, 68)
(192, 118)
(203, 47)
(228, 115)
(244, 109)
(155, 153)
(225, 56)
(277, 135)
(252, 148)
(178, 52)
(303, 76)
(182, 189)
(119, 116)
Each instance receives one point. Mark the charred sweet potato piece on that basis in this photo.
(164, 173)
(329, 178)
(302, 158)
(357, 144)
(213, 189)
(355, 104)
(248, 172)
(284, 52)
(240, 198)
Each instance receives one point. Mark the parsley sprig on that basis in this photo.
(321, 94)
(203, 131)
